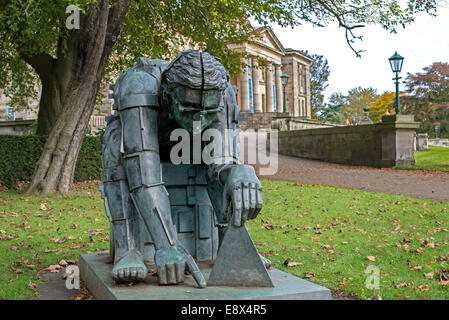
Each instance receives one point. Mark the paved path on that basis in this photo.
(418, 184)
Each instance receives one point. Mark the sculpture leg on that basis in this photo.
(127, 244)
(126, 239)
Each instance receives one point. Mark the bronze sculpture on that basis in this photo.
(153, 98)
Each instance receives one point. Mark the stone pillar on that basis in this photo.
(269, 88)
(397, 133)
(256, 86)
(244, 90)
(279, 90)
(307, 93)
(421, 141)
(293, 89)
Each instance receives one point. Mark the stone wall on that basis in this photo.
(265, 121)
(17, 128)
(256, 121)
(385, 144)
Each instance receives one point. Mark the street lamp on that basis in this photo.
(396, 66)
(284, 81)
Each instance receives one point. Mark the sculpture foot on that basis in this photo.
(130, 268)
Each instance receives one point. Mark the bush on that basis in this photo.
(19, 154)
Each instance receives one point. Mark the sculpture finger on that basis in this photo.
(252, 201)
(162, 275)
(237, 206)
(195, 271)
(171, 274)
(180, 269)
(258, 202)
(246, 201)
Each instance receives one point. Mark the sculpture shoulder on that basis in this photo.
(139, 84)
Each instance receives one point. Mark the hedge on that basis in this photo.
(19, 154)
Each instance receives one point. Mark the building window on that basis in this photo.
(10, 114)
(263, 102)
(273, 79)
(263, 74)
(250, 85)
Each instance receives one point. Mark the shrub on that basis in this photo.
(19, 154)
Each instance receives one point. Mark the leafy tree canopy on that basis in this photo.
(428, 98)
(379, 107)
(319, 81)
(351, 105)
(33, 30)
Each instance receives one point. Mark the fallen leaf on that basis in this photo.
(294, 264)
(63, 263)
(371, 258)
(402, 285)
(429, 275)
(423, 288)
(416, 268)
(53, 268)
(308, 275)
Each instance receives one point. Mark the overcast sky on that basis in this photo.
(421, 43)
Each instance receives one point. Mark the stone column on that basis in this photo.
(244, 90)
(256, 86)
(269, 88)
(307, 93)
(279, 90)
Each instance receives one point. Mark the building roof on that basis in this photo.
(299, 53)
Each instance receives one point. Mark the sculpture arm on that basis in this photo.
(234, 188)
(141, 161)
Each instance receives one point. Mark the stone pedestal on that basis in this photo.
(421, 141)
(95, 271)
(397, 135)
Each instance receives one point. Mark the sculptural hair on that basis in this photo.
(188, 68)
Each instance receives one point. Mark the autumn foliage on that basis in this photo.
(428, 98)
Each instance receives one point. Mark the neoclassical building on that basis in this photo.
(260, 88)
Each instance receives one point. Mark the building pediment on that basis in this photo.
(265, 37)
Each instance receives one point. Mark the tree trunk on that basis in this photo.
(89, 49)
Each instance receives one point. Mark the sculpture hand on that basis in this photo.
(171, 263)
(243, 194)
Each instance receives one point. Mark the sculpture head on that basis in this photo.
(193, 86)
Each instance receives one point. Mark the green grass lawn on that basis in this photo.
(325, 234)
(434, 159)
(39, 231)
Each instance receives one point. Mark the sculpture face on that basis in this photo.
(188, 105)
(193, 87)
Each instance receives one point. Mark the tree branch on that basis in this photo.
(41, 62)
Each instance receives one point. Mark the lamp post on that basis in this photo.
(436, 132)
(284, 81)
(396, 66)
